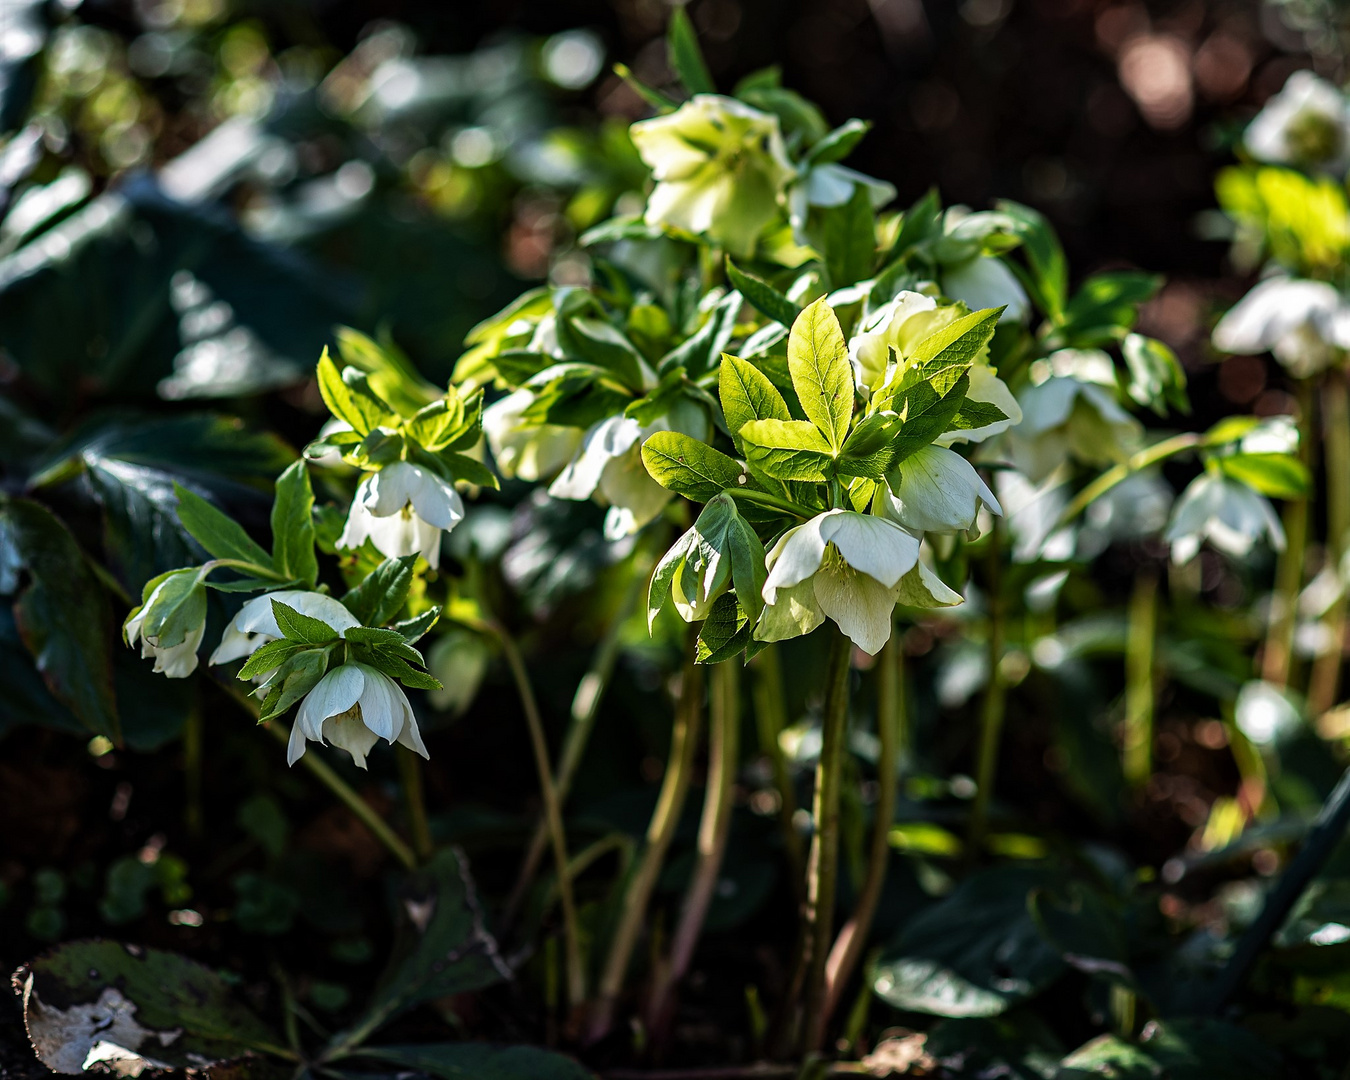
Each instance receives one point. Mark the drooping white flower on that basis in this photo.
(841, 564)
(1307, 123)
(256, 623)
(522, 448)
(353, 707)
(986, 282)
(937, 490)
(1066, 417)
(1304, 324)
(403, 509)
(170, 624)
(1228, 514)
(720, 167)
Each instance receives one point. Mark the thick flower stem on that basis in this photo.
(822, 864)
(192, 772)
(770, 720)
(1137, 751)
(992, 708)
(350, 799)
(585, 710)
(660, 832)
(1278, 655)
(1325, 684)
(576, 973)
(891, 716)
(724, 729)
(414, 799)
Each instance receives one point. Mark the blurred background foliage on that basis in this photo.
(197, 192)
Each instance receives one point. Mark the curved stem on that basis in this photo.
(585, 710)
(1325, 684)
(993, 707)
(414, 798)
(660, 832)
(1117, 474)
(764, 498)
(770, 720)
(822, 865)
(891, 713)
(253, 568)
(1277, 657)
(576, 974)
(715, 826)
(1140, 692)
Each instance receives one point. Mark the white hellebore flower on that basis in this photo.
(256, 624)
(1065, 417)
(720, 167)
(1305, 324)
(177, 606)
(522, 448)
(987, 387)
(829, 185)
(985, 282)
(937, 490)
(1228, 514)
(403, 509)
(850, 567)
(1307, 123)
(353, 707)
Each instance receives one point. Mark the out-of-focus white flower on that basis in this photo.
(1228, 514)
(841, 564)
(986, 282)
(1307, 123)
(720, 168)
(937, 490)
(170, 624)
(830, 185)
(352, 707)
(1064, 418)
(459, 660)
(987, 387)
(1304, 324)
(522, 448)
(403, 509)
(256, 624)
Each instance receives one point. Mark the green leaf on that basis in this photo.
(725, 632)
(927, 413)
(441, 945)
(869, 450)
(1280, 476)
(1178, 1049)
(821, 373)
(63, 614)
(599, 343)
(269, 656)
(944, 356)
(294, 679)
(976, 952)
(1106, 306)
(975, 414)
(412, 630)
(848, 234)
(349, 397)
(839, 143)
(435, 426)
(788, 449)
(686, 59)
(172, 1010)
(921, 222)
(689, 467)
(462, 467)
(216, 531)
(293, 526)
(298, 627)
(658, 590)
(1049, 277)
(1156, 376)
(479, 1061)
(747, 394)
(382, 594)
(768, 300)
(700, 351)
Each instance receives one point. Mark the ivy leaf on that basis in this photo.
(293, 526)
(299, 627)
(689, 467)
(762, 295)
(788, 449)
(821, 373)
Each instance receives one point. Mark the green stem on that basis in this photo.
(770, 720)
(764, 498)
(349, 798)
(192, 772)
(585, 711)
(265, 572)
(1140, 693)
(576, 973)
(714, 827)
(1117, 474)
(822, 865)
(1277, 657)
(414, 799)
(660, 832)
(992, 708)
(891, 716)
(1325, 683)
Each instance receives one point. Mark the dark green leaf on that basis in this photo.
(270, 655)
(1107, 306)
(725, 632)
(762, 295)
(216, 531)
(658, 590)
(701, 350)
(848, 234)
(413, 629)
(381, 596)
(1178, 1050)
(299, 627)
(1049, 276)
(295, 678)
(927, 414)
(839, 143)
(686, 59)
(293, 526)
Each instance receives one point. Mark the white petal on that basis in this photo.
(876, 547)
(940, 491)
(628, 487)
(359, 519)
(411, 736)
(796, 556)
(435, 500)
(1273, 311)
(334, 694)
(986, 386)
(986, 282)
(859, 604)
(604, 441)
(381, 703)
(347, 732)
(234, 645)
(295, 746)
(389, 490)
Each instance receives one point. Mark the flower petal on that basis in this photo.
(859, 604)
(878, 548)
(793, 612)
